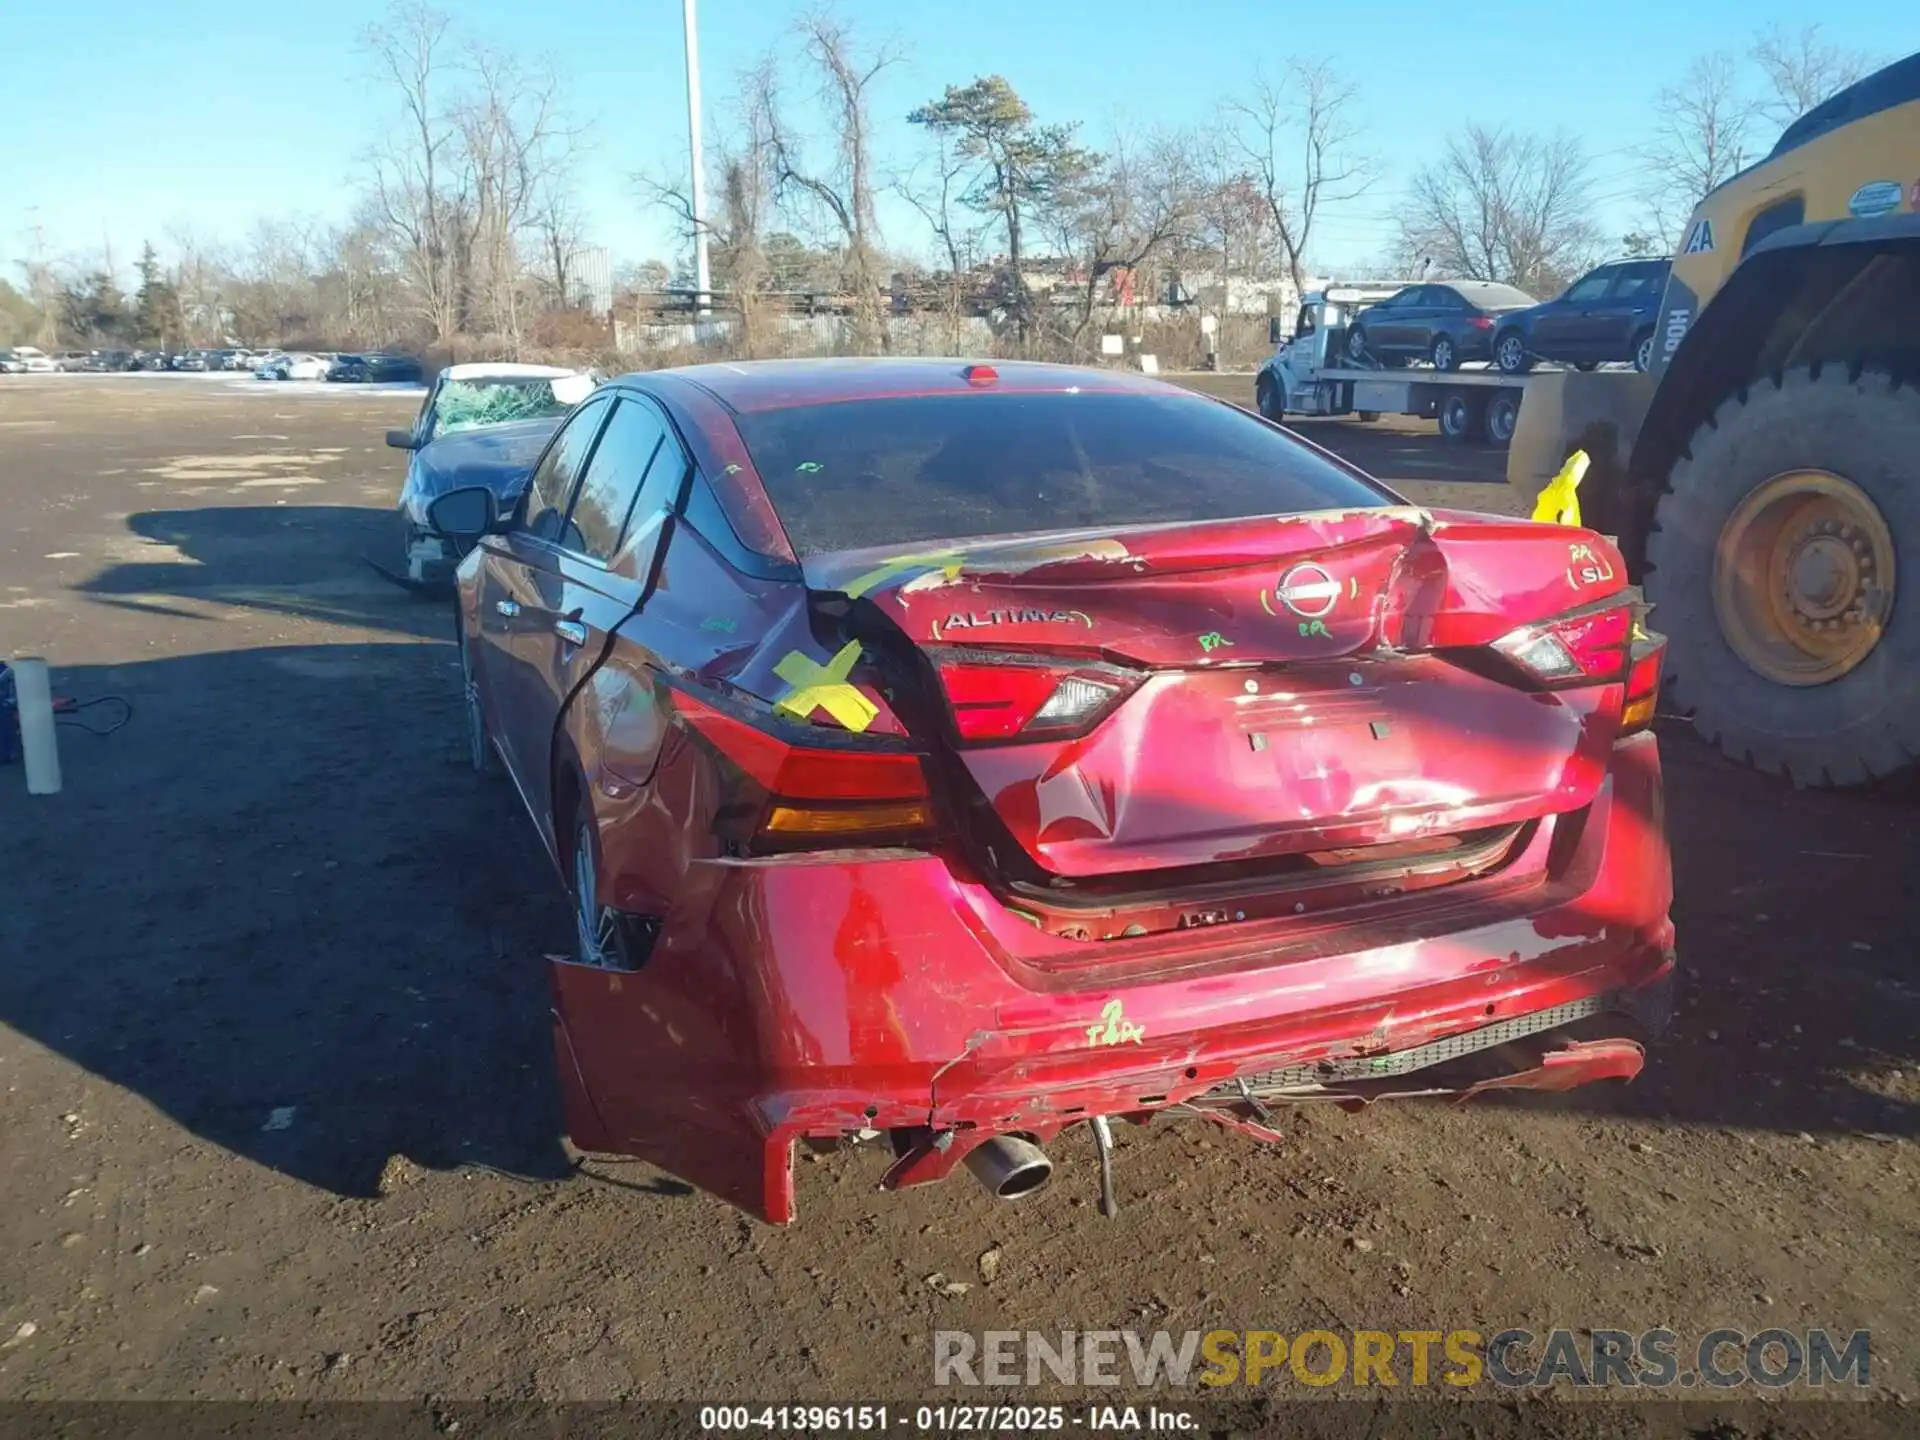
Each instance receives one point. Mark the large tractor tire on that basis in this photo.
(1784, 562)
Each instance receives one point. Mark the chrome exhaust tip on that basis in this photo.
(1010, 1167)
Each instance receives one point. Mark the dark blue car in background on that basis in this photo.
(1608, 314)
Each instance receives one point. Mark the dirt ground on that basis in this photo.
(276, 1108)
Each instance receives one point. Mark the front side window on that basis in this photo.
(553, 480)
(1590, 288)
(613, 479)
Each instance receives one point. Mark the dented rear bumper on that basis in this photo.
(785, 999)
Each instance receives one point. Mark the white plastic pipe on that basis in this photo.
(38, 740)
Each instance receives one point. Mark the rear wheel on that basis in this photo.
(481, 755)
(595, 927)
(1510, 354)
(1503, 414)
(1462, 416)
(1774, 559)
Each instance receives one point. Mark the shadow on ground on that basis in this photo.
(303, 561)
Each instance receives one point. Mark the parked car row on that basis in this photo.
(262, 364)
(1606, 316)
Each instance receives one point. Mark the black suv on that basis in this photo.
(1607, 314)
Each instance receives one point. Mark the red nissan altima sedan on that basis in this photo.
(949, 754)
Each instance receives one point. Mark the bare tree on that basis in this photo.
(1802, 70)
(1703, 136)
(1140, 204)
(202, 276)
(421, 190)
(934, 187)
(742, 160)
(1298, 136)
(517, 147)
(557, 219)
(1234, 221)
(844, 187)
(1503, 206)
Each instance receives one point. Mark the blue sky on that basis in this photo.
(128, 117)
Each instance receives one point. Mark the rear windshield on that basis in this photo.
(1492, 295)
(899, 471)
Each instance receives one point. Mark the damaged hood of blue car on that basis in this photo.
(500, 457)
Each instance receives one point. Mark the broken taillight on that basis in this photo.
(1597, 644)
(1007, 697)
(1583, 647)
(806, 792)
(1643, 679)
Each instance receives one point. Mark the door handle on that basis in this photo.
(571, 631)
(508, 608)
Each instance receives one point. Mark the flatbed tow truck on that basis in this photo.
(1297, 380)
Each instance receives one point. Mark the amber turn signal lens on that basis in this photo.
(848, 820)
(1638, 715)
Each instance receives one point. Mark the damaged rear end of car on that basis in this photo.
(1253, 787)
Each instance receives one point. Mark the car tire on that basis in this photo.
(1462, 416)
(1805, 428)
(1584, 366)
(1357, 345)
(1510, 355)
(1503, 415)
(1445, 355)
(1270, 396)
(1366, 417)
(481, 754)
(1643, 352)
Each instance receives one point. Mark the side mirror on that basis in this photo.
(464, 515)
(1274, 337)
(401, 439)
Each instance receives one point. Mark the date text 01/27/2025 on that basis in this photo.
(877, 1419)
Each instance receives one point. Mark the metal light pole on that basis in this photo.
(702, 275)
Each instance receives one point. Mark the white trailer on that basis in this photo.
(1297, 380)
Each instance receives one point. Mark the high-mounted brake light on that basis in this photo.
(802, 793)
(995, 697)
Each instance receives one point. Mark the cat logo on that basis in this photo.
(1700, 242)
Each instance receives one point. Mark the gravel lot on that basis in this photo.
(276, 1114)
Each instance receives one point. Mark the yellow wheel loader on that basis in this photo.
(1763, 477)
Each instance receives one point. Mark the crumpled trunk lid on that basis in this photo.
(1306, 683)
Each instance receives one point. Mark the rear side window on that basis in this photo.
(552, 485)
(904, 470)
(1637, 282)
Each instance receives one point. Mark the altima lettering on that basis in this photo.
(977, 619)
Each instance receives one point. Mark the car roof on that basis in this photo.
(778, 384)
(474, 370)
